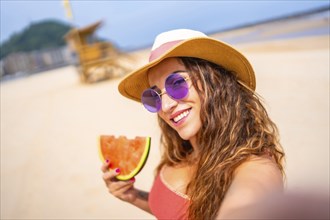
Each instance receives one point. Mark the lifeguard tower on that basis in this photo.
(98, 60)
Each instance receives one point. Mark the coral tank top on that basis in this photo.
(166, 203)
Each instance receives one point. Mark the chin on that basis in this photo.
(185, 137)
(187, 134)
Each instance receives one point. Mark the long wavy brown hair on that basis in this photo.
(235, 126)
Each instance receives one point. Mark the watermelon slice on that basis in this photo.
(129, 155)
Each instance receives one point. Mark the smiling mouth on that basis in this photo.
(181, 116)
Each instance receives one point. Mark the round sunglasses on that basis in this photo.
(176, 87)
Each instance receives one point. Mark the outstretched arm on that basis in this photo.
(254, 180)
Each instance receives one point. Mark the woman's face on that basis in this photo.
(182, 115)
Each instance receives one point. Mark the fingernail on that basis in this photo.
(117, 170)
(132, 179)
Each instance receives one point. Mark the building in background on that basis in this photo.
(26, 63)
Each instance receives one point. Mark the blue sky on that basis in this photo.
(134, 24)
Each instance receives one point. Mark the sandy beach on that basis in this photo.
(50, 124)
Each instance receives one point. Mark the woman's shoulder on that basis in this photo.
(253, 180)
(258, 162)
(259, 171)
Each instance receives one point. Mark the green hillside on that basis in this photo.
(41, 35)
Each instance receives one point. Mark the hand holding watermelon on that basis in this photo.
(123, 190)
(127, 157)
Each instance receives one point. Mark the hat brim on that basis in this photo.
(205, 48)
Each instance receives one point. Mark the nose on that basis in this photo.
(168, 103)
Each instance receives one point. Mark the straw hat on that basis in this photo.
(187, 43)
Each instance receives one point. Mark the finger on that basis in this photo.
(120, 184)
(105, 166)
(115, 186)
(122, 189)
(111, 174)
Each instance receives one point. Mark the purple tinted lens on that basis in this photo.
(176, 86)
(151, 100)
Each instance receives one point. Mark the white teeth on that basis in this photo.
(179, 117)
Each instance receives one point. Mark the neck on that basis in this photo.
(193, 142)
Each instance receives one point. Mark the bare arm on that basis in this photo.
(141, 200)
(253, 181)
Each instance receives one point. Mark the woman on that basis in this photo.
(221, 151)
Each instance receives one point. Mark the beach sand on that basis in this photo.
(50, 123)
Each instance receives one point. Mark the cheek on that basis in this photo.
(161, 115)
(195, 96)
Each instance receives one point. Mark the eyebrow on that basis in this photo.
(180, 71)
(177, 71)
